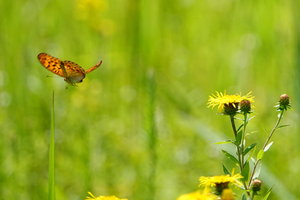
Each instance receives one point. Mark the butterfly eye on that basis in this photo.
(81, 80)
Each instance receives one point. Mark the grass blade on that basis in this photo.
(51, 157)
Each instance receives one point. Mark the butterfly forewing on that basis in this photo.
(53, 64)
(93, 68)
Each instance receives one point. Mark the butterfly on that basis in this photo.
(71, 71)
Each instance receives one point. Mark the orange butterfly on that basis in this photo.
(71, 71)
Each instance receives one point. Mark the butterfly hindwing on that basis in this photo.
(75, 73)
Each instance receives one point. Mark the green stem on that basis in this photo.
(252, 196)
(266, 143)
(238, 150)
(276, 125)
(51, 195)
(243, 137)
(152, 133)
(235, 135)
(233, 126)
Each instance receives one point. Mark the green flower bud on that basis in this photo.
(284, 102)
(245, 106)
(256, 185)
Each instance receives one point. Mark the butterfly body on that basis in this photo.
(71, 71)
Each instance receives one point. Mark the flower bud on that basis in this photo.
(284, 102)
(256, 185)
(245, 106)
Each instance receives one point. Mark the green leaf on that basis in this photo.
(268, 193)
(250, 118)
(282, 126)
(245, 172)
(265, 130)
(240, 128)
(239, 119)
(250, 156)
(244, 197)
(249, 148)
(225, 170)
(225, 142)
(250, 133)
(260, 154)
(268, 146)
(239, 137)
(231, 157)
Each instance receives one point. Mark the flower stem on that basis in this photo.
(243, 137)
(252, 196)
(265, 145)
(276, 125)
(238, 150)
(235, 135)
(233, 126)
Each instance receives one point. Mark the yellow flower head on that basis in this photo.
(228, 104)
(198, 195)
(220, 182)
(227, 194)
(102, 197)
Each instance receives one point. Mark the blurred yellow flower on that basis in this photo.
(102, 197)
(222, 100)
(227, 194)
(85, 8)
(94, 12)
(218, 180)
(204, 195)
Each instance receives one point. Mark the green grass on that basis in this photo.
(102, 127)
(51, 177)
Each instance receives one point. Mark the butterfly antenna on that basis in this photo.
(52, 77)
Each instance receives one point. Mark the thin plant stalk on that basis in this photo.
(265, 145)
(235, 135)
(51, 157)
(243, 136)
(252, 196)
(240, 155)
(152, 132)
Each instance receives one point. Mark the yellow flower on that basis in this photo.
(227, 194)
(220, 182)
(228, 104)
(94, 13)
(102, 197)
(248, 97)
(204, 195)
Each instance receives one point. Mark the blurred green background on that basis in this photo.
(138, 127)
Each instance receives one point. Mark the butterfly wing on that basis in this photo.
(53, 64)
(74, 72)
(93, 68)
